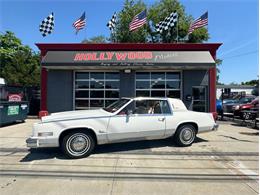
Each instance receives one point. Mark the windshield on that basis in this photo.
(229, 101)
(116, 105)
(246, 100)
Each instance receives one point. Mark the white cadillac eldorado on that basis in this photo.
(128, 119)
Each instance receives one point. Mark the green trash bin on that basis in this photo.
(13, 111)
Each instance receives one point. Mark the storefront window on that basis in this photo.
(173, 84)
(82, 84)
(96, 94)
(82, 75)
(96, 103)
(96, 75)
(82, 103)
(142, 93)
(158, 84)
(112, 85)
(142, 84)
(97, 84)
(82, 94)
(172, 76)
(173, 94)
(112, 75)
(112, 94)
(142, 75)
(158, 93)
(96, 89)
(158, 76)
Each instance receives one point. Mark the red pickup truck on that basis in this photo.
(248, 106)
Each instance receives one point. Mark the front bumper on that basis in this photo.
(44, 142)
(32, 142)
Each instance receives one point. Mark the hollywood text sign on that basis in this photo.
(115, 56)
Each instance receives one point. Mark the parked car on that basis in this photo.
(229, 101)
(228, 107)
(238, 109)
(128, 119)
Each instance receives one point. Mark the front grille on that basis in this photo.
(228, 108)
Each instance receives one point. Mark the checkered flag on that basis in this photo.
(112, 22)
(47, 25)
(167, 23)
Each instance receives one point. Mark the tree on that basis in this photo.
(218, 63)
(157, 12)
(233, 83)
(256, 90)
(252, 82)
(96, 39)
(19, 64)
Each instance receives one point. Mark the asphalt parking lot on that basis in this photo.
(221, 162)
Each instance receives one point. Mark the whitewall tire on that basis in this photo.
(78, 144)
(185, 135)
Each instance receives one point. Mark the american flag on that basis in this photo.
(200, 22)
(80, 23)
(138, 21)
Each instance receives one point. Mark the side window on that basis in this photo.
(165, 107)
(148, 107)
(157, 108)
(129, 107)
(144, 107)
(141, 107)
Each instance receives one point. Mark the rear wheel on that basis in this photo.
(78, 144)
(185, 135)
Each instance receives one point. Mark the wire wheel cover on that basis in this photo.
(187, 135)
(78, 144)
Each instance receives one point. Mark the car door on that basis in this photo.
(137, 121)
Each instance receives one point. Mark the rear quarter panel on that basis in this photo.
(204, 121)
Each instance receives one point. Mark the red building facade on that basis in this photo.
(86, 76)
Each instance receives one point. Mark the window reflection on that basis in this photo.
(158, 84)
(97, 89)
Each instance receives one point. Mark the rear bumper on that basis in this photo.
(208, 128)
(215, 127)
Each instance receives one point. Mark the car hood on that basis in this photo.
(79, 114)
(246, 105)
(231, 104)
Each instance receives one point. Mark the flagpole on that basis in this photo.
(177, 27)
(112, 36)
(86, 29)
(208, 22)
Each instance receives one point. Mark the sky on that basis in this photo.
(234, 23)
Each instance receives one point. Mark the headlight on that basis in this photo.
(45, 134)
(237, 107)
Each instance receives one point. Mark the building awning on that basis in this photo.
(127, 59)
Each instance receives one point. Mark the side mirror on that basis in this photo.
(188, 98)
(129, 112)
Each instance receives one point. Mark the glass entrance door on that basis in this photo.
(199, 102)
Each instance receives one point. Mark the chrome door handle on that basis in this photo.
(161, 119)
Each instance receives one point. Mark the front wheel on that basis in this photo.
(185, 135)
(78, 144)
